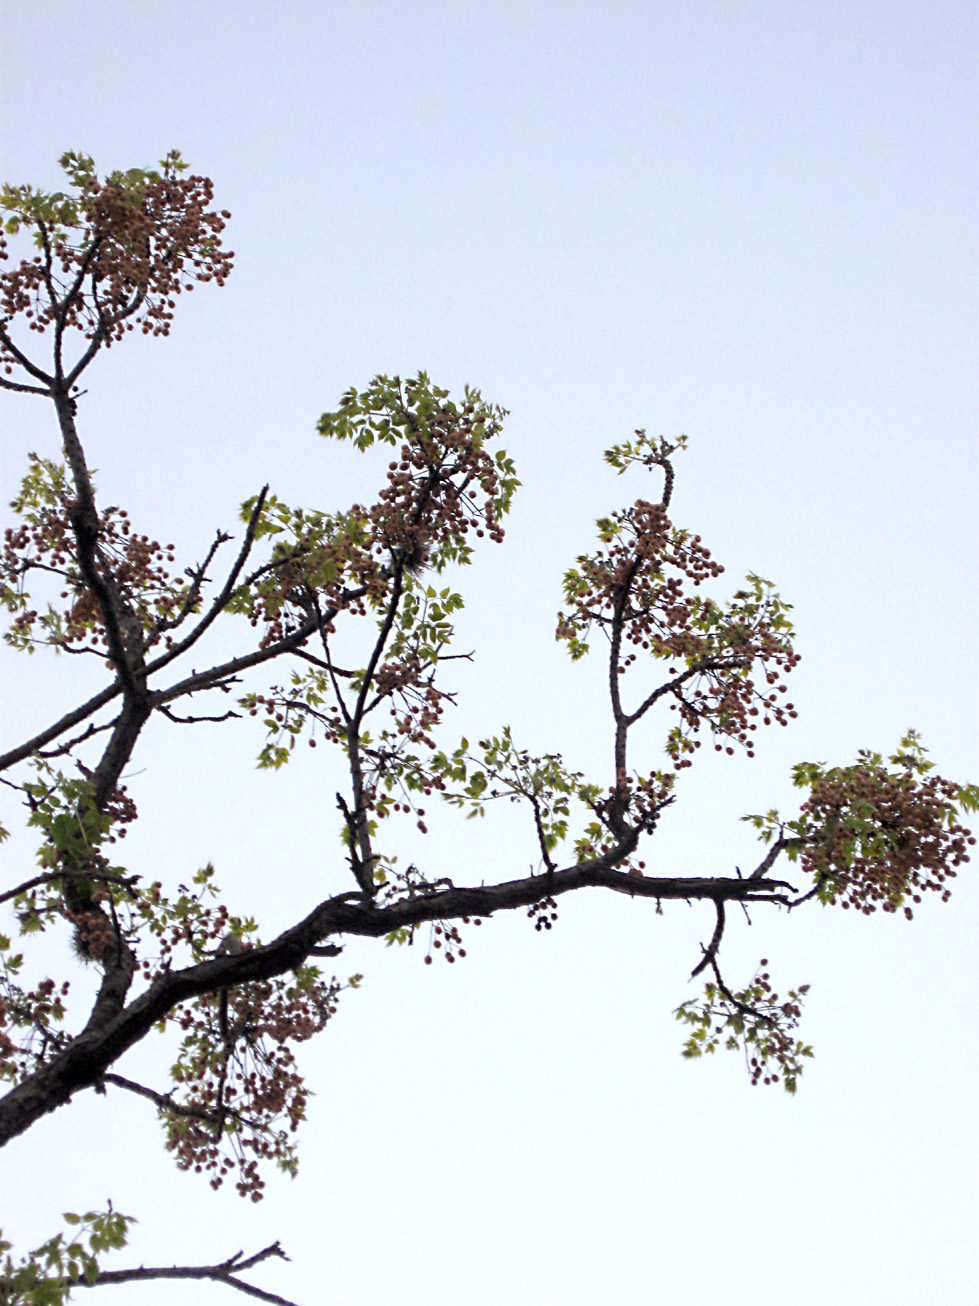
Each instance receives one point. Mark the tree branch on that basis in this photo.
(21, 388)
(712, 664)
(193, 720)
(362, 860)
(50, 877)
(98, 339)
(61, 309)
(70, 719)
(614, 808)
(85, 525)
(86, 734)
(209, 679)
(84, 1062)
(768, 861)
(199, 680)
(323, 665)
(224, 1272)
(161, 1100)
(710, 952)
(25, 363)
(197, 575)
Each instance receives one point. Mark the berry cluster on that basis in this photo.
(543, 913)
(45, 543)
(31, 1015)
(875, 837)
(633, 589)
(445, 938)
(113, 255)
(431, 502)
(240, 1097)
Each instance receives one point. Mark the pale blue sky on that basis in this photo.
(752, 223)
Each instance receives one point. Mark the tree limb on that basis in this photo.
(224, 1272)
(711, 664)
(61, 314)
(163, 1101)
(111, 1031)
(21, 388)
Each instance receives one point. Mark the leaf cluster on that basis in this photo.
(47, 1275)
(754, 1020)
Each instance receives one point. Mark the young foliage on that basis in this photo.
(47, 1275)
(755, 1021)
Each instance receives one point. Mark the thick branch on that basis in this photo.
(87, 1058)
(112, 992)
(85, 525)
(119, 749)
(210, 679)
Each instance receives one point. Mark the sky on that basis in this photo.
(753, 224)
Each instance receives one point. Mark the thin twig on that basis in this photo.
(710, 952)
(79, 739)
(221, 601)
(192, 720)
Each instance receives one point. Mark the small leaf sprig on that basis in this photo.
(753, 1019)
